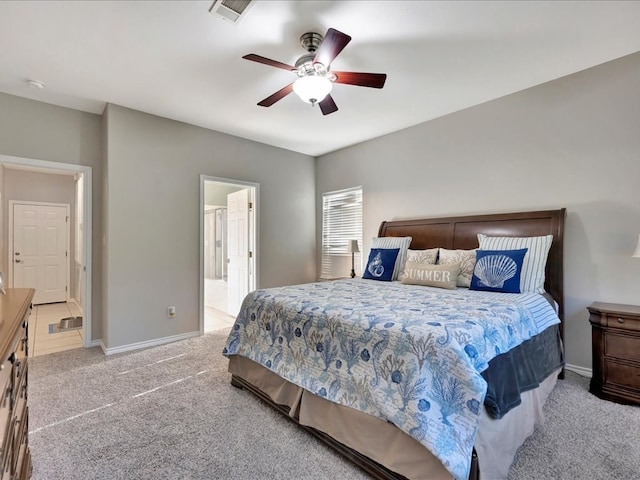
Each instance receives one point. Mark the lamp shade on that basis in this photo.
(636, 254)
(352, 247)
(312, 88)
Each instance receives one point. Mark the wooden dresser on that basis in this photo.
(615, 333)
(15, 457)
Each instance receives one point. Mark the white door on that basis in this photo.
(237, 249)
(39, 257)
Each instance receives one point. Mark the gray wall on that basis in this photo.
(153, 225)
(23, 185)
(569, 143)
(103, 273)
(146, 201)
(40, 131)
(572, 143)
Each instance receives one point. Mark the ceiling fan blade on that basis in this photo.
(267, 61)
(373, 80)
(333, 43)
(327, 105)
(279, 95)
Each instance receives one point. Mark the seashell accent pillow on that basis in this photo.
(401, 243)
(532, 279)
(466, 259)
(381, 264)
(498, 270)
(423, 256)
(441, 276)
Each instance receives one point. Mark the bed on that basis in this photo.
(396, 413)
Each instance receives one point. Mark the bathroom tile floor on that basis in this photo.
(41, 341)
(215, 308)
(215, 319)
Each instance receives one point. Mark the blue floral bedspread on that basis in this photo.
(411, 355)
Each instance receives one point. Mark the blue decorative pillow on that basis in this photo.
(381, 264)
(498, 270)
(535, 261)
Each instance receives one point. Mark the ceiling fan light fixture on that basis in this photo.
(312, 88)
(315, 79)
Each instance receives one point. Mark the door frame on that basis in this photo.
(46, 166)
(11, 233)
(254, 242)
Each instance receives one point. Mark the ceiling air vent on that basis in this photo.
(231, 10)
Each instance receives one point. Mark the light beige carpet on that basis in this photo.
(169, 412)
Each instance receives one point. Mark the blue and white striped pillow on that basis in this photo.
(394, 242)
(535, 261)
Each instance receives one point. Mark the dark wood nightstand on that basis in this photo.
(615, 335)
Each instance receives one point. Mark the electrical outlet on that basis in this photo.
(171, 312)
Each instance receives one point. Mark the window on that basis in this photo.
(341, 222)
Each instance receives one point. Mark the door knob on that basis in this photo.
(17, 253)
(18, 260)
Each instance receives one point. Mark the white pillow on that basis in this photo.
(535, 260)
(427, 256)
(466, 259)
(394, 242)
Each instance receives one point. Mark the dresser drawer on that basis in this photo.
(623, 375)
(26, 467)
(20, 439)
(622, 346)
(6, 424)
(5, 372)
(7, 449)
(6, 409)
(20, 379)
(624, 322)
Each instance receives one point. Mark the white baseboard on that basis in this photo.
(585, 372)
(75, 302)
(95, 343)
(147, 343)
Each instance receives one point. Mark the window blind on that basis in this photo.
(341, 222)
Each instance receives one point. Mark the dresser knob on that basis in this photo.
(620, 320)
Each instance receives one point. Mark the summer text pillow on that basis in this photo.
(401, 243)
(466, 259)
(442, 276)
(498, 270)
(422, 256)
(535, 261)
(381, 264)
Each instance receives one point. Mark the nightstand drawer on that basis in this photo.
(615, 339)
(624, 322)
(622, 346)
(623, 375)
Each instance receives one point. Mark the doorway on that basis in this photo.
(228, 265)
(79, 287)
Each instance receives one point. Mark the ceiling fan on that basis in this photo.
(315, 79)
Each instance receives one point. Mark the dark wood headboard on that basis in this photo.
(461, 233)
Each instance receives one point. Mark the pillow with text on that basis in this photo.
(441, 276)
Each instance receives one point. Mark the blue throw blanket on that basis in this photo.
(408, 354)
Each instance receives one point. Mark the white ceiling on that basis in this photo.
(176, 60)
